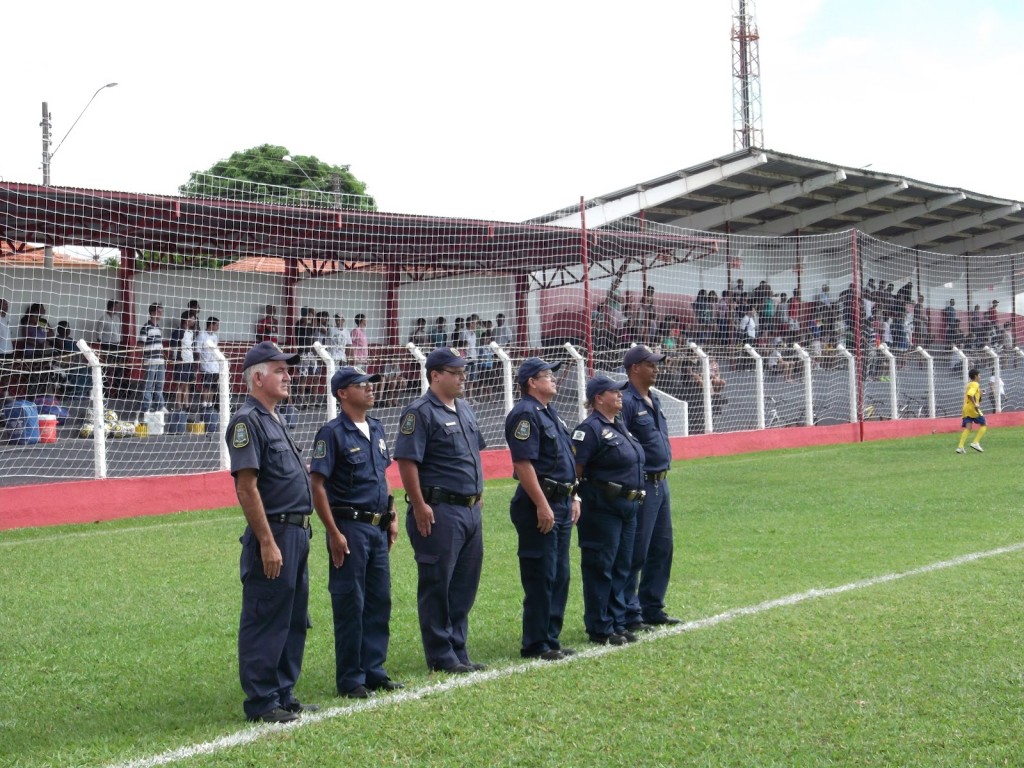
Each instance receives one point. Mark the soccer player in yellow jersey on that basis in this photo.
(972, 413)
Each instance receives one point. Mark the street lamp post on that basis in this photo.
(293, 161)
(48, 155)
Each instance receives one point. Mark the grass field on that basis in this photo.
(117, 640)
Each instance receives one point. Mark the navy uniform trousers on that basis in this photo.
(652, 556)
(543, 570)
(361, 638)
(275, 617)
(606, 532)
(449, 562)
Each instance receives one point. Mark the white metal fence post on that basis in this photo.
(329, 368)
(99, 434)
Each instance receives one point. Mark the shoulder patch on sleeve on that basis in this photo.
(320, 451)
(409, 423)
(522, 430)
(579, 435)
(240, 437)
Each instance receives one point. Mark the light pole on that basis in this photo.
(292, 160)
(48, 155)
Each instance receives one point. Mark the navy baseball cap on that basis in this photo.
(601, 384)
(266, 351)
(641, 353)
(533, 366)
(443, 356)
(348, 375)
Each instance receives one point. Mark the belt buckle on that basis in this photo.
(376, 518)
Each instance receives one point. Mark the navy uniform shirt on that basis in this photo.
(445, 443)
(256, 440)
(354, 466)
(608, 452)
(537, 434)
(649, 425)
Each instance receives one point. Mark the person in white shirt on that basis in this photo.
(6, 344)
(502, 333)
(6, 348)
(106, 337)
(183, 353)
(748, 328)
(340, 340)
(107, 333)
(209, 366)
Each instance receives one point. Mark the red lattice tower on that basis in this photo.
(746, 78)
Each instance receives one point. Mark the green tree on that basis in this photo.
(262, 174)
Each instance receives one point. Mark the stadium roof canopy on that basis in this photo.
(763, 192)
(317, 239)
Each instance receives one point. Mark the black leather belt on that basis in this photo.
(441, 496)
(615, 490)
(380, 519)
(302, 520)
(554, 490)
(654, 477)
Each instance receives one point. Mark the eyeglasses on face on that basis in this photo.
(455, 371)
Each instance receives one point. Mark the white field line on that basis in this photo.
(255, 732)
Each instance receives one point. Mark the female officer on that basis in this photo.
(610, 462)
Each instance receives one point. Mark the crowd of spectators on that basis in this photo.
(720, 322)
(761, 317)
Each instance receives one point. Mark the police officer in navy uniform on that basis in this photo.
(652, 552)
(274, 492)
(610, 465)
(350, 494)
(544, 507)
(438, 453)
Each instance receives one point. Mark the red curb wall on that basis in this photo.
(92, 501)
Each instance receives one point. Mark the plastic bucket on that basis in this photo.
(155, 422)
(47, 429)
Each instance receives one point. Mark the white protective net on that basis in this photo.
(331, 270)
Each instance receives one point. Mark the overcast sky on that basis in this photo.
(508, 110)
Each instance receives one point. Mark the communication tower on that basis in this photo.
(746, 78)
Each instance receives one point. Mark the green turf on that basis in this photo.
(117, 640)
